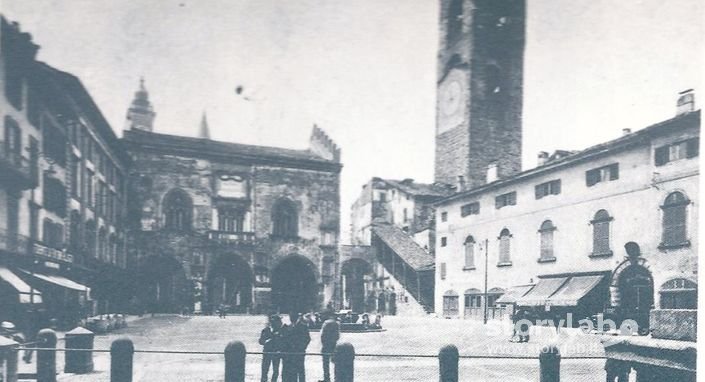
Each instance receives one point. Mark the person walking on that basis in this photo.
(270, 339)
(330, 334)
(298, 340)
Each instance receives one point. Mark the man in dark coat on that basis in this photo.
(296, 339)
(270, 339)
(330, 334)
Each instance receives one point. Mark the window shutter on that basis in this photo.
(661, 155)
(591, 177)
(538, 191)
(614, 171)
(498, 202)
(693, 147)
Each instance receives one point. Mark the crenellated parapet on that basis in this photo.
(322, 145)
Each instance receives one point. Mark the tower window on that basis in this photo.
(455, 20)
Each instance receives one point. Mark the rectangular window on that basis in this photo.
(549, 188)
(13, 141)
(444, 241)
(406, 217)
(676, 151)
(75, 177)
(443, 271)
(90, 198)
(602, 174)
(54, 196)
(54, 144)
(508, 199)
(444, 216)
(34, 159)
(470, 209)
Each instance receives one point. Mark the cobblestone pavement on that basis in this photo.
(403, 336)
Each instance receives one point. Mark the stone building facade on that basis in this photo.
(249, 227)
(561, 229)
(62, 220)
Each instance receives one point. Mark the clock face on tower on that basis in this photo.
(452, 94)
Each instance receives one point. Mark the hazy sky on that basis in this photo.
(364, 70)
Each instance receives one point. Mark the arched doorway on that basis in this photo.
(294, 285)
(230, 284)
(353, 274)
(166, 289)
(636, 295)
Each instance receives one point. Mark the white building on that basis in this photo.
(562, 227)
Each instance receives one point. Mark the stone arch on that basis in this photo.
(165, 288)
(229, 283)
(352, 274)
(632, 291)
(294, 285)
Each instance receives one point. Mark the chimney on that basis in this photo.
(542, 158)
(492, 172)
(686, 102)
(626, 131)
(461, 184)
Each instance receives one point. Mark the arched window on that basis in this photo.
(469, 252)
(505, 247)
(285, 219)
(455, 21)
(601, 233)
(674, 220)
(546, 233)
(679, 293)
(177, 207)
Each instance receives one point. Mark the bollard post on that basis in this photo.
(235, 354)
(344, 360)
(8, 359)
(46, 359)
(81, 361)
(121, 358)
(550, 363)
(448, 363)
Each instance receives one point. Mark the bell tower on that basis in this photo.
(140, 115)
(479, 90)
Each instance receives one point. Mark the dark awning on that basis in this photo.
(575, 289)
(541, 292)
(514, 293)
(23, 289)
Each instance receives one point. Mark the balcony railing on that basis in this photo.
(15, 169)
(232, 237)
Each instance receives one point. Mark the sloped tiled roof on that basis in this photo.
(404, 246)
(419, 189)
(642, 136)
(198, 147)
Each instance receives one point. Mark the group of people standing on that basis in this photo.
(287, 344)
